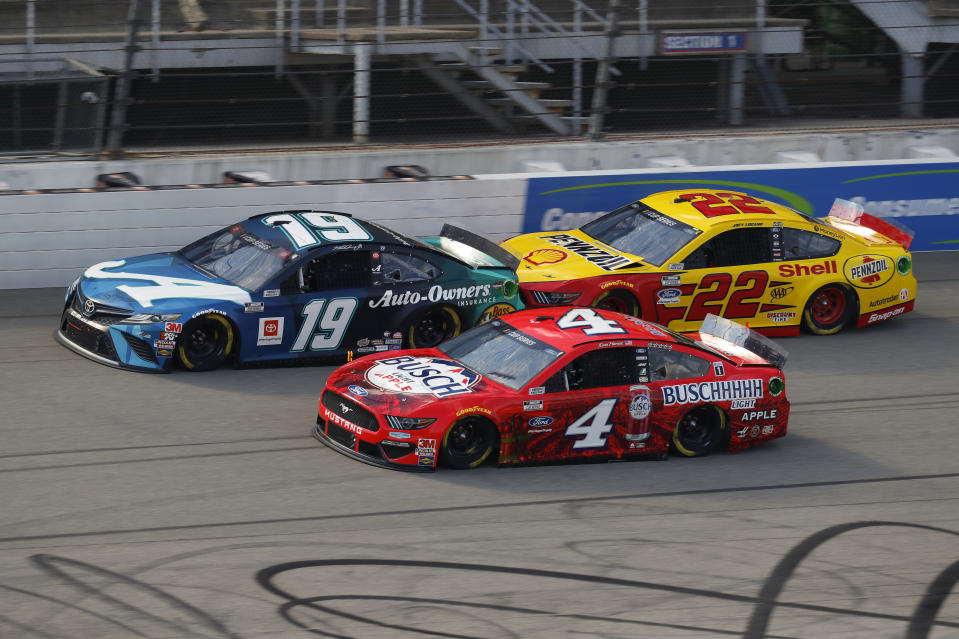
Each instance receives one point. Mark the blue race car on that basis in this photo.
(284, 287)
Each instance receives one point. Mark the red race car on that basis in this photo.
(554, 384)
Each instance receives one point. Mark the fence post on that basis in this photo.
(601, 90)
(361, 93)
(118, 121)
(31, 34)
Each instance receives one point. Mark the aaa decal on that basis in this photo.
(868, 271)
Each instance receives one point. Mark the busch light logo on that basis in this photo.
(359, 391)
(640, 407)
(703, 392)
(421, 375)
(539, 422)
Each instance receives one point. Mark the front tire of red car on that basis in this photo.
(618, 301)
(205, 342)
(700, 431)
(829, 309)
(468, 443)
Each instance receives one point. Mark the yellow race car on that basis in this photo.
(675, 257)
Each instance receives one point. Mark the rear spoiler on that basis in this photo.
(742, 336)
(853, 212)
(481, 244)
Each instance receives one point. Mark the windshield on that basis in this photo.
(502, 353)
(238, 256)
(641, 231)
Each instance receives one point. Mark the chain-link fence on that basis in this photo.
(119, 75)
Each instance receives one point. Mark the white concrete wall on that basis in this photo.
(49, 239)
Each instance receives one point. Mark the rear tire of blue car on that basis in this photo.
(699, 431)
(434, 327)
(468, 443)
(205, 342)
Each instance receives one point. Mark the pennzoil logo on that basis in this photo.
(545, 256)
(590, 252)
(868, 271)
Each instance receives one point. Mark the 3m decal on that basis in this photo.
(593, 426)
(712, 391)
(590, 321)
(324, 325)
(270, 331)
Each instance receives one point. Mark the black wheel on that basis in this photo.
(205, 342)
(619, 301)
(434, 327)
(829, 309)
(468, 443)
(699, 431)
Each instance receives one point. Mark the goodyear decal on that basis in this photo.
(868, 271)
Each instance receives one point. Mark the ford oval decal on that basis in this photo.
(543, 420)
(668, 294)
(358, 390)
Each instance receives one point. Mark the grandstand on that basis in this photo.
(93, 76)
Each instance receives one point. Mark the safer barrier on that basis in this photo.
(48, 237)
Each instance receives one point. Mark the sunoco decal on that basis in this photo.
(592, 253)
(422, 376)
(868, 271)
(712, 391)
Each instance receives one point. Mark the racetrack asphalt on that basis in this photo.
(198, 505)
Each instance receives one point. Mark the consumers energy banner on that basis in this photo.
(923, 196)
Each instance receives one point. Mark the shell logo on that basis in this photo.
(545, 256)
(868, 271)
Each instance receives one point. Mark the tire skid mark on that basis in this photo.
(918, 626)
(81, 451)
(186, 623)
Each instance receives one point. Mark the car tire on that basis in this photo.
(468, 443)
(829, 309)
(700, 431)
(618, 301)
(434, 327)
(205, 343)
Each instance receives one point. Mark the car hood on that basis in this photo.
(404, 382)
(149, 281)
(568, 255)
